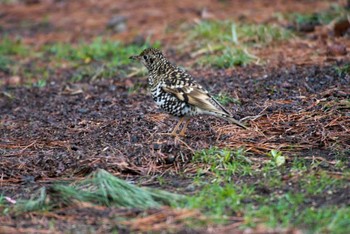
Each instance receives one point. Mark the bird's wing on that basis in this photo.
(197, 96)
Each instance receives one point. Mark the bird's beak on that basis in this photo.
(135, 57)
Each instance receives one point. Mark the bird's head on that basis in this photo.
(150, 58)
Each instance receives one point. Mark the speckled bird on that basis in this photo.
(176, 92)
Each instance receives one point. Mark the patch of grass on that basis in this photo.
(275, 211)
(5, 63)
(228, 31)
(2, 200)
(256, 35)
(231, 42)
(224, 163)
(220, 200)
(12, 50)
(343, 70)
(318, 18)
(287, 203)
(228, 58)
(291, 210)
(8, 1)
(38, 203)
(215, 31)
(101, 58)
(13, 47)
(4, 207)
(299, 165)
(320, 183)
(35, 74)
(114, 53)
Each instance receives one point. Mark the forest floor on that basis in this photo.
(72, 103)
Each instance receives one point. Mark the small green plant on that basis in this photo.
(224, 98)
(342, 70)
(277, 159)
(40, 84)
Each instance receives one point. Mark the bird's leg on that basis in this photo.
(182, 133)
(173, 133)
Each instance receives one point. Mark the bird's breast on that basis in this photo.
(171, 104)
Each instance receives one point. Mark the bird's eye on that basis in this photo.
(145, 57)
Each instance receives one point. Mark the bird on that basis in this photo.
(176, 92)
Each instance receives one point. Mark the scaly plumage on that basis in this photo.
(176, 92)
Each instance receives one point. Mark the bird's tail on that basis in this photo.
(234, 121)
(224, 114)
(226, 117)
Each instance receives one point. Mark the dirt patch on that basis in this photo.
(101, 217)
(48, 132)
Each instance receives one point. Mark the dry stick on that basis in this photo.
(188, 147)
(26, 147)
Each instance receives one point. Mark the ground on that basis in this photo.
(71, 103)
